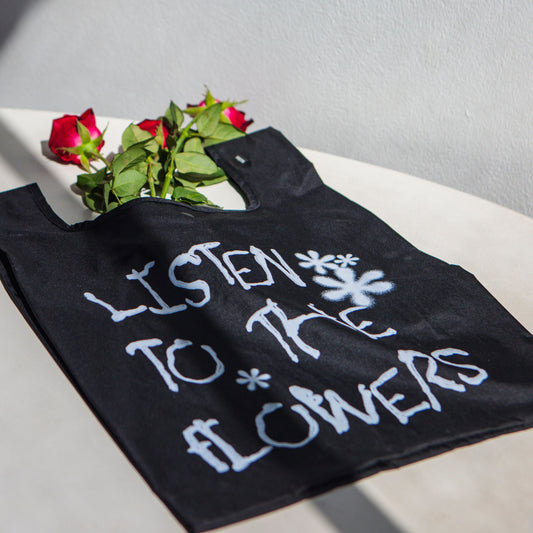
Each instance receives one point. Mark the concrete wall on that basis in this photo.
(437, 88)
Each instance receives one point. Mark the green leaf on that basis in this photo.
(194, 145)
(222, 133)
(83, 132)
(72, 149)
(171, 142)
(190, 196)
(227, 104)
(125, 199)
(97, 140)
(159, 136)
(194, 110)
(128, 183)
(133, 135)
(151, 146)
(192, 162)
(87, 182)
(157, 169)
(208, 119)
(84, 162)
(94, 200)
(127, 159)
(209, 100)
(107, 193)
(141, 167)
(174, 116)
(202, 179)
(181, 181)
(212, 181)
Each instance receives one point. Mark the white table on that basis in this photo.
(61, 473)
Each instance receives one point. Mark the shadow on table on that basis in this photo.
(20, 159)
(30, 169)
(350, 511)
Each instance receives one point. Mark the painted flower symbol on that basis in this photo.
(346, 260)
(313, 260)
(347, 285)
(253, 379)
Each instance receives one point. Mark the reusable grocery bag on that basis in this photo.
(244, 360)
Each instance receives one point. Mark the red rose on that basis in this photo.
(66, 139)
(151, 127)
(235, 117)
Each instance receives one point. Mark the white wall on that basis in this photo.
(437, 88)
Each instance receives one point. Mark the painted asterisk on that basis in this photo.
(253, 379)
(346, 260)
(358, 290)
(313, 260)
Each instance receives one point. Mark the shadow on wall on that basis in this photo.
(10, 14)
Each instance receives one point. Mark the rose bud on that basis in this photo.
(233, 116)
(151, 127)
(76, 139)
(236, 118)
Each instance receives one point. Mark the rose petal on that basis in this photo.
(151, 126)
(236, 118)
(64, 134)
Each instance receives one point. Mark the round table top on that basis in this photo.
(61, 472)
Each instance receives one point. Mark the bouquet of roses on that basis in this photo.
(160, 158)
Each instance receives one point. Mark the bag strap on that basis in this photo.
(23, 211)
(267, 168)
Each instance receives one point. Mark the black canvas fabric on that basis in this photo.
(244, 360)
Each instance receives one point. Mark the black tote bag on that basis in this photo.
(244, 360)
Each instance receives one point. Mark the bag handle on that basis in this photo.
(266, 167)
(22, 210)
